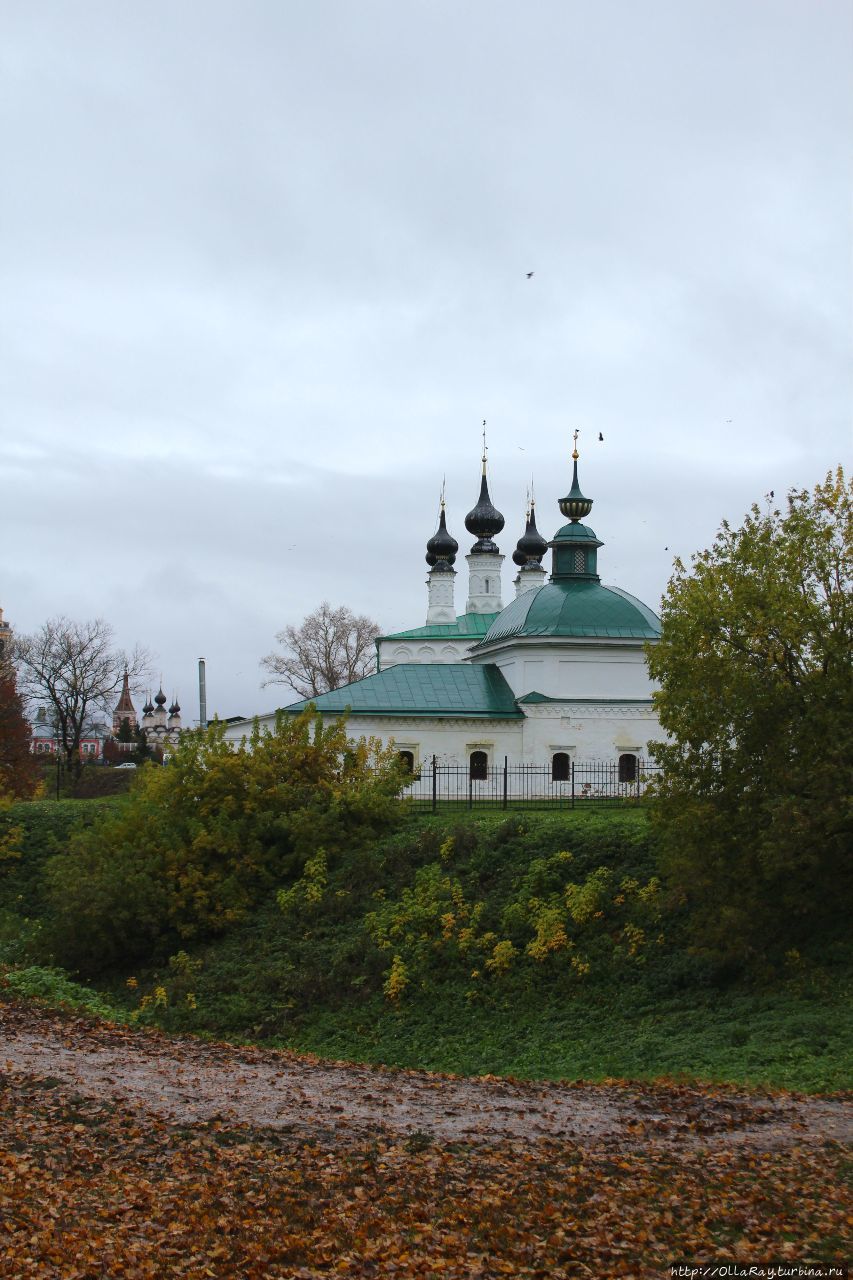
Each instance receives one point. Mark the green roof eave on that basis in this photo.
(396, 713)
(466, 626)
(534, 698)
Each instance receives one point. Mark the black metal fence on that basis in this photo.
(588, 784)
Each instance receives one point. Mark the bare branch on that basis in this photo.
(331, 648)
(73, 670)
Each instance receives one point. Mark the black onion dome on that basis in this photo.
(531, 544)
(484, 520)
(174, 709)
(442, 546)
(160, 699)
(149, 706)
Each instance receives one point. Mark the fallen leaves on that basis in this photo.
(97, 1185)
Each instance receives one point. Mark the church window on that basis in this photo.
(487, 586)
(479, 766)
(627, 768)
(580, 562)
(560, 766)
(408, 760)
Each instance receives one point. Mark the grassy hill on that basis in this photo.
(449, 945)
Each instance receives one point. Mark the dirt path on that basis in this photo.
(190, 1081)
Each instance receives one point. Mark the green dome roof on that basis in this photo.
(579, 608)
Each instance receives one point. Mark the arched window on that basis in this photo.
(627, 768)
(408, 759)
(487, 586)
(479, 766)
(560, 766)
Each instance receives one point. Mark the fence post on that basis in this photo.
(639, 771)
(434, 805)
(505, 772)
(573, 784)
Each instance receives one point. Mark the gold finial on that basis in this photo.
(532, 494)
(485, 446)
(441, 499)
(575, 454)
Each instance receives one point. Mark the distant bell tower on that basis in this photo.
(124, 708)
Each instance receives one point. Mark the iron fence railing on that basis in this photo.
(599, 783)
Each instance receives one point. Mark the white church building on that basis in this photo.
(556, 676)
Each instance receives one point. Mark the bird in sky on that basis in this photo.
(530, 275)
(600, 436)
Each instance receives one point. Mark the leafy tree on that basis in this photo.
(754, 664)
(73, 669)
(331, 648)
(19, 771)
(197, 844)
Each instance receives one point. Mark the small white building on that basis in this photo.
(558, 675)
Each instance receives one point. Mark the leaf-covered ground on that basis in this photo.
(125, 1153)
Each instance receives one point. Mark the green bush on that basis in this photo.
(55, 988)
(45, 828)
(198, 844)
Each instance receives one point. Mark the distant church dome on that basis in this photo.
(160, 699)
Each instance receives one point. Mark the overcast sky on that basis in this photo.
(264, 274)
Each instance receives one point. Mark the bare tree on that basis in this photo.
(73, 670)
(332, 647)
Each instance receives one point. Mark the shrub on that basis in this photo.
(197, 844)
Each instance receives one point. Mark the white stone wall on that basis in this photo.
(450, 649)
(484, 582)
(440, 606)
(565, 668)
(586, 731)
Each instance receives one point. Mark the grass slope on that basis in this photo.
(316, 985)
(313, 980)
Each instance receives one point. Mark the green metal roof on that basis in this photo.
(535, 698)
(467, 624)
(423, 689)
(576, 533)
(579, 608)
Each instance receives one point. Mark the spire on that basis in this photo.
(575, 506)
(124, 706)
(442, 546)
(484, 520)
(575, 546)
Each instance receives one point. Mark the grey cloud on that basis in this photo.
(265, 272)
